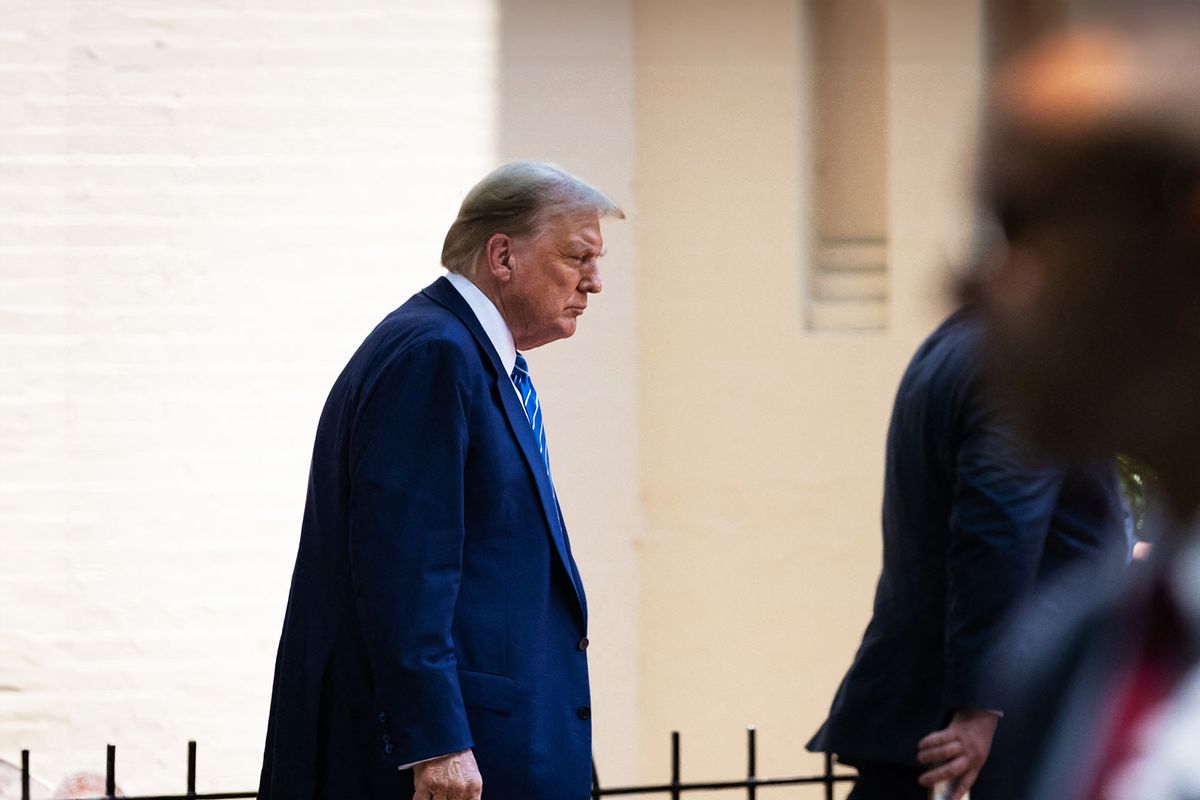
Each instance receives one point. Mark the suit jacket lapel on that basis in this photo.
(444, 294)
(573, 568)
(519, 423)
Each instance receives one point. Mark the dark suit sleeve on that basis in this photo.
(407, 459)
(1002, 507)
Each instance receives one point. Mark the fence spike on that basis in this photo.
(676, 792)
(752, 762)
(110, 773)
(191, 770)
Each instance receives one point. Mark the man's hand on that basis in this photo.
(958, 751)
(452, 777)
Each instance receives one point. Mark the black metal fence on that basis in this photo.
(750, 784)
(675, 789)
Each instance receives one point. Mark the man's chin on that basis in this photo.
(563, 331)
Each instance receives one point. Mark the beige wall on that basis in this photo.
(761, 444)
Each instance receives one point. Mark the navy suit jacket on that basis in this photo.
(435, 605)
(969, 527)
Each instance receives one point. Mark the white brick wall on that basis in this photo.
(204, 206)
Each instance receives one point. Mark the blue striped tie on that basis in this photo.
(533, 409)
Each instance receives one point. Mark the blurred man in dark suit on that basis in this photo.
(970, 526)
(1092, 298)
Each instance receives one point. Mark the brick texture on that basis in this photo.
(204, 206)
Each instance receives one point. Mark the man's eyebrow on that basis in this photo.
(580, 244)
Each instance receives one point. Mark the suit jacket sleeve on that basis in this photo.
(1000, 517)
(407, 460)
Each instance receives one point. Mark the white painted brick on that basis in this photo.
(203, 208)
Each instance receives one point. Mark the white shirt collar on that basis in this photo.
(489, 317)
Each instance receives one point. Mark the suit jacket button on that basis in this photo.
(584, 712)
(583, 643)
(387, 748)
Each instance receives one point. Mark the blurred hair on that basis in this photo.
(83, 785)
(517, 199)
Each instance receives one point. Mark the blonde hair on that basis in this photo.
(517, 199)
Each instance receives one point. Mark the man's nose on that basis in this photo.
(591, 282)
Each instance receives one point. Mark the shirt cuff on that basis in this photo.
(403, 767)
(431, 758)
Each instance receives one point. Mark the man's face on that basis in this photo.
(553, 272)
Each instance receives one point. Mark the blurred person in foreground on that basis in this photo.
(435, 637)
(971, 524)
(1092, 302)
(84, 785)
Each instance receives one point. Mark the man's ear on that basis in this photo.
(498, 254)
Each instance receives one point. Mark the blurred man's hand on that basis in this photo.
(958, 751)
(452, 777)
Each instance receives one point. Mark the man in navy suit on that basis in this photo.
(970, 525)
(436, 632)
